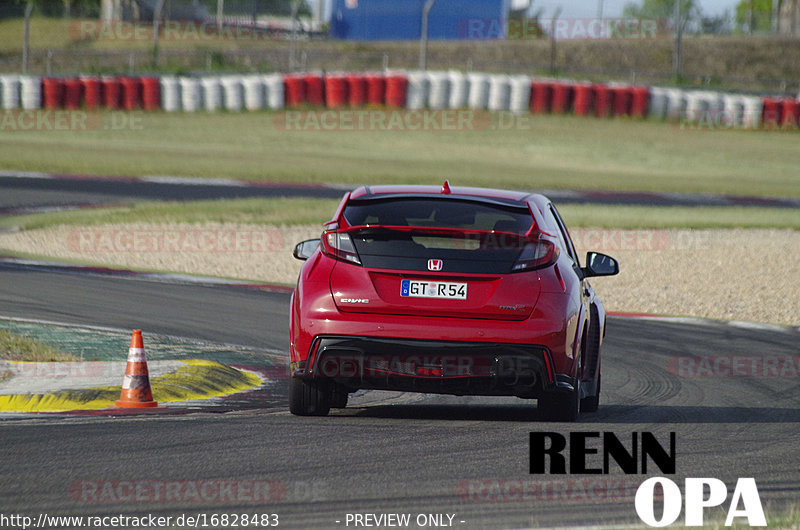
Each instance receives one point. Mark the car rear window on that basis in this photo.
(465, 252)
(440, 213)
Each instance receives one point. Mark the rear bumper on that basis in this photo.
(431, 366)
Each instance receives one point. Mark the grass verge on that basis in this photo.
(278, 211)
(529, 152)
(292, 211)
(15, 347)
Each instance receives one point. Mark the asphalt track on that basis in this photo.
(38, 191)
(388, 453)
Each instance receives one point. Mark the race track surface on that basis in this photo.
(387, 452)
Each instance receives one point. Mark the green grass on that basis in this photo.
(543, 152)
(293, 211)
(278, 211)
(15, 347)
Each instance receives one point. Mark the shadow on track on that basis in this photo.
(607, 413)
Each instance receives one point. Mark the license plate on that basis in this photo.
(424, 289)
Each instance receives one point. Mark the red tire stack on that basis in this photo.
(541, 97)
(358, 90)
(584, 99)
(151, 93)
(92, 92)
(396, 88)
(315, 90)
(112, 92)
(336, 91)
(52, 93)
(294, 90)
(376, 90)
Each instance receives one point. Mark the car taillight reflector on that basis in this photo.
(536, 255)
(339, 246)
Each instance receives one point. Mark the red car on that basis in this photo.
(464, 291)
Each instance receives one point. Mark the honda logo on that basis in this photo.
(435, 264)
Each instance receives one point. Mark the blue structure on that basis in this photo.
(402, 19)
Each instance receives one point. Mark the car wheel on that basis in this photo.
(560, 406)
(308, 398)
(339, 397)
(591, 403)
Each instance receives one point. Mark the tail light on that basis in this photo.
(536, 255)
(339, 246)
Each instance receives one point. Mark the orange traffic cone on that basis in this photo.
(136, 391)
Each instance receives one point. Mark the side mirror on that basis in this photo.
(304, 249)
(600, 265)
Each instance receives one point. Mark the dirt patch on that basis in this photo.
(732, 274)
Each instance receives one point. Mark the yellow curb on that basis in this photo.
(199, 379)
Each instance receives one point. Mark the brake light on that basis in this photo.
(339, 246)
(536, 255)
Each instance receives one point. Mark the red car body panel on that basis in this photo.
(553, 308)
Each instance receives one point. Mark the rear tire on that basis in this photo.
(560, 406)
(591, 403)
(339, 397)
(308, 398)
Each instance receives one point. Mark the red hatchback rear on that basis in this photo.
(463, 291)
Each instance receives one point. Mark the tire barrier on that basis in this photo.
(315, 90)
(499, 93)
(396, 91)
(520, 94)
(417, 93)
(412, 90)
(541, 97)
(439, 94)
(170, 94)
(376, 90)
(602, 100)
(294, 88)
(583, 99)
(337, 91)
(151, 93)
(53, 91)
(562, 98)
(640, 100)
(211, 89)
(253, 88)
(658, 103)
(273, 88)
(478, 91)
(10, 91)
(92, 92)
(191, 97)
(131, 92)
(356, 87)
(30, 92)
(232, 93)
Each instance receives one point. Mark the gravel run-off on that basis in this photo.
(731, 274)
